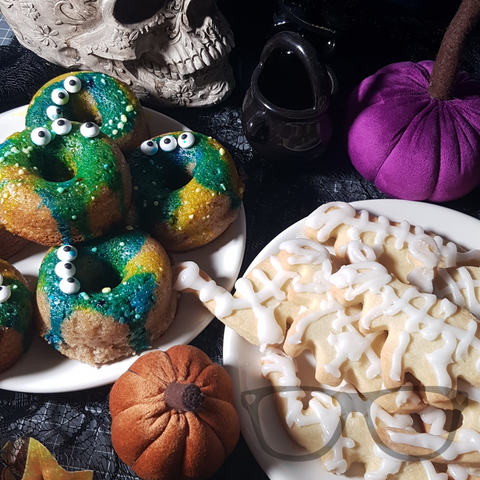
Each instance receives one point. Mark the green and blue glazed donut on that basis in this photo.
(16, 311)
(186, 189)
(91, 97)
(107, 298)
(62, 184)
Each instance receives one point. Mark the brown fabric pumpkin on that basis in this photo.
(172, 415)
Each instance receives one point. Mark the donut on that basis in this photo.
(10, 244)
(61, 185)
(91, 97)
(16, 312)
(186, 189)
(107, 298)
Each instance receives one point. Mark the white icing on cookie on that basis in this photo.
(269, 331)
(425, 249)
(370, 276)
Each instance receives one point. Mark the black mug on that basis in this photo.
(285, 110)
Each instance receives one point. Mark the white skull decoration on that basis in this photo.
(173, 52)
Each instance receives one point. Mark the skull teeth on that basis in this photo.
(207, 59)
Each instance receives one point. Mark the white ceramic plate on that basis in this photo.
(43, 370)
(242, 359)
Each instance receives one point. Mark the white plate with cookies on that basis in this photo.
(242, 359)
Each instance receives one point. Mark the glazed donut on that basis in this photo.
(186, 190)
(63, 185)
(91, 97)
(16, 311)
(107, 298)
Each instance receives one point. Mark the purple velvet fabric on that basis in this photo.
(413, 146)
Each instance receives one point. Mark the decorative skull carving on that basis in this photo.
(172, 52)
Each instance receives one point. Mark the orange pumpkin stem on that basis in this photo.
(183, 397)
(445, 68)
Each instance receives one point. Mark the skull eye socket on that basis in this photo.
(149, 147)
(168, 143)
(61, 126)
(54, 112)
(60, 96)
(128, 11)
(40, 136)
(186, 140)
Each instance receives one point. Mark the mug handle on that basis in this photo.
(323, 83)
(256, 127)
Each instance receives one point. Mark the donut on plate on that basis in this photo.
(107, 298)
(16, 310)
(186, 189)
(91, 97)
(63, 184)
(10, 244)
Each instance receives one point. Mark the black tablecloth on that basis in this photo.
(76, 426)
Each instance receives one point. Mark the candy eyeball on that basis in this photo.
(72, 84)
(65, 269)
(60, 96)
(69, 285)
(149, 147)
(67, 253)
(186, 140)
(41, 136)
(168, 143)
(62, 126)
(89, 129)
(54, 112)
(5, 293)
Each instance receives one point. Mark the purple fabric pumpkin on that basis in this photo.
(410, 144)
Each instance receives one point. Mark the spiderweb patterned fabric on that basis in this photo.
(75, 426)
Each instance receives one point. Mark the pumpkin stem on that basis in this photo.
(445, 68)
(183, 397)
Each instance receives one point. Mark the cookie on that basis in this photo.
(259, 310)
(429, 337)
(407, 251)
(333, 426)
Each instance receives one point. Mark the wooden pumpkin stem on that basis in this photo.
(445, 68)
(183, 397)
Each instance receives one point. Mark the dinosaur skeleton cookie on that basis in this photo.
(429, 337)
(407, 251)
(386, 313)
(259, 310)
(340, 425)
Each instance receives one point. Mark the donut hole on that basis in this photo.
(177, 181)
(53, 168)
(172, 176)
(95, 274)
